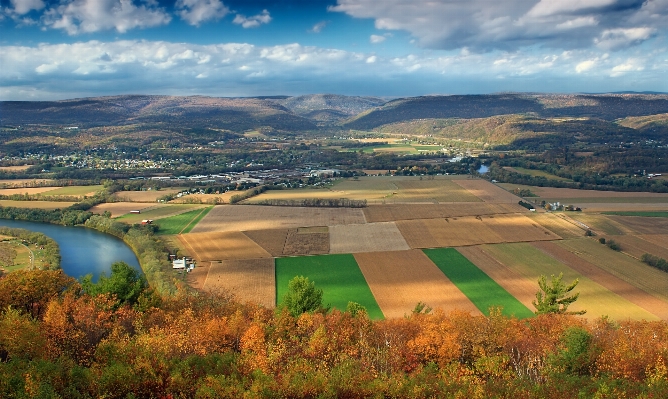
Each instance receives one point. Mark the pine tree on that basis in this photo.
(553, 296)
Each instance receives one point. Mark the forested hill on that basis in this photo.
(236, 114)
(608, 107)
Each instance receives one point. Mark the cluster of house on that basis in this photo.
(186, 264)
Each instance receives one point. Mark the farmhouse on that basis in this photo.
(179, 263)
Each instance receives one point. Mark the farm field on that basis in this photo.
(37, 204)
(182, 223)
(634, 272)
(469, 230)
(370, 237)
(121, 208)
(651, 214)
(254, 217)
(658, 239)
(338, 276)
(600, 224)
(559, 224)
(249, 280)
(634, 294)
(223, 198)
(78, 191)
(271, 241)
(394, 212)
(484, 292)
(27, 190)
(401, 279)
(642, 225)
(307, 241)
(537, 173)
(434, 191)
(487, 191)
(158, 211)
(20, 183)
(556, 193)
(640, 207)
(530, 262)
(13, 169)
(636, 246)
(144, 196)
(222, 246)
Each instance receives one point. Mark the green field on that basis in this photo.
(158, 212)
(539, 173)
(183, 222)
(74, 190)
(656, 214)
(338, 276)
(476, 285)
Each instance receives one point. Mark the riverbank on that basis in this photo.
(41, 251)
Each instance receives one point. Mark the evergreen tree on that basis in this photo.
(302, 296)
(553, 296)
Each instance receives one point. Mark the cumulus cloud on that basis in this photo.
(22, 7)
(195, 12)
(613, 39)
(483, 25)
(239, 69)
(375, 39)
(77, 16)
(254, 21)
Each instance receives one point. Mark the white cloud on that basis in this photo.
(254, 21)
(317, 28)
(375, 39)
(584, 66)
(197, 11)
(25, 6)
(484, 25)
(77, 16)
(103, 68)
(614, 39)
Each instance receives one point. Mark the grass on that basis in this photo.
(656, 214)
(158, 212)
(483, 291)
(539, 173)
(338, 276)
(75, 190)
(182, 223)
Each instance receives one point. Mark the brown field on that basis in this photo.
(223, 198)
(559, 224)
(642, 225)
(487, 191)
(394, 212)
(307, 241)
(596, 299)
(371, 237)
(27, 190)
(517, 285)
(37, 204)
(249, 280)
(620, 287)
(12, 169)
(464, 231)
(637, 246)
(222, 246)
(658, 239)
(634, 272)
(374, 171)
(16, 183)
(255, 217)
(144, 196)
(120, 208)
(621, 206)
(271, 241)
(571, 193)
(435, 191)
(600, 224)
(401, 279)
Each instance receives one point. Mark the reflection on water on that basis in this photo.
(483, 169)
(83, 250)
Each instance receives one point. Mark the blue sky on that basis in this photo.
(57, 49)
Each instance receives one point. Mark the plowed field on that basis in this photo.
(637, 246)
(222, 246)
(487, 191)
(27, 190)
(456, 232)
(121, 208)
(557, 224)
(401, 279)
(643, 225)
(37, 204)
(144, 196)
(394, 212)
(307, 241)
(371, 237)
(249, 280)
(595, 298)
(632, 271)
(254, 217)
(272, 241)
(620, 287)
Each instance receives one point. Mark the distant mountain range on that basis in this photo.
(312, 112)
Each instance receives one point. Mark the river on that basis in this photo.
(82, 250)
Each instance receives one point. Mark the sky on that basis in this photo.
(60, 49)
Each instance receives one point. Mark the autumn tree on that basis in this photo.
(302, 296)
(553, 297)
